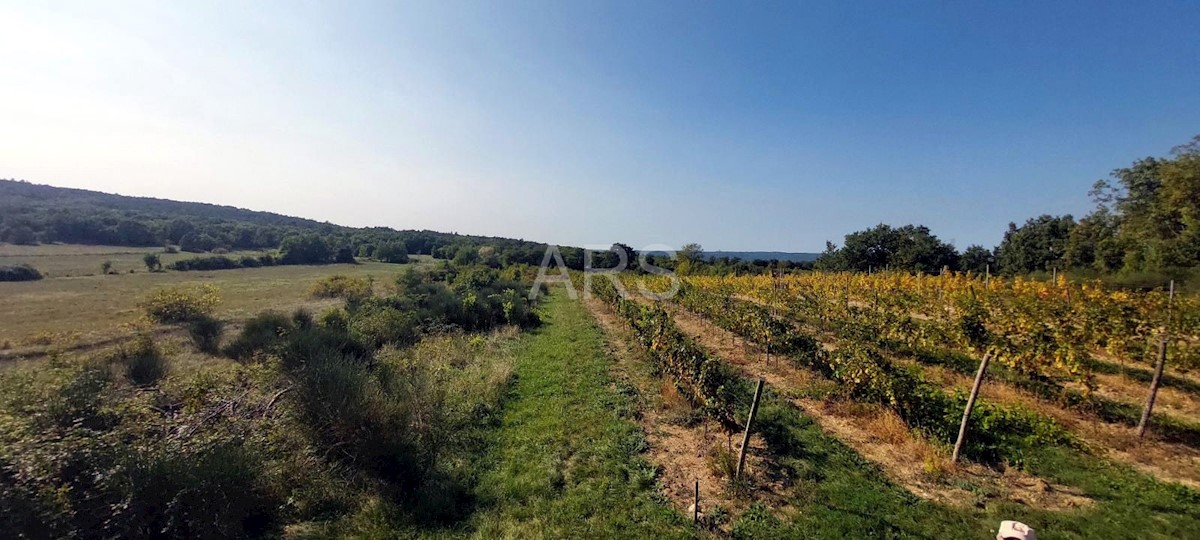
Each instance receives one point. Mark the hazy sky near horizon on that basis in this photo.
(742, 126)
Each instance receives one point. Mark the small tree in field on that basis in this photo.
(153, 262)
(106, 267)
(391, 252)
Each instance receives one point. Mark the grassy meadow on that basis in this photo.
(75, 304)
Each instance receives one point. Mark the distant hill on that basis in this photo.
(764, 255)
(31, 213)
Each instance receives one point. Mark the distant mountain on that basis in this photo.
(764, 255)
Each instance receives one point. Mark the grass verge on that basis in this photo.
(565, 461)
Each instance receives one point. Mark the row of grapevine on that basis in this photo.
(752, 321)
(706, 381)
(865, 375)
(1034, 327)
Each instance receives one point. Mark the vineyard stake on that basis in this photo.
(962, 429)
(750, 420)
(696, 506)
(1158, 368)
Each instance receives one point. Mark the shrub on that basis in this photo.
(217, 262)
(85, 457)
(249, 261)
(106, 267)
(205, 332)
(302, 319)
(180, 304)
(170, 249)
(144, 364)
(262, 333)
(152, 261)
(379, 323)
(341, 287)
(20, 272)
(334, 319)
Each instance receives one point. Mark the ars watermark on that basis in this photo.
(553, 270)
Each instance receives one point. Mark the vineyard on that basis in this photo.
(851, 351)
(1034, 327)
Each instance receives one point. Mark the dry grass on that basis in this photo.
(71, 260)
(1169, 400)
(88, 310)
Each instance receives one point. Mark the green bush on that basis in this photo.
(20, 272)
(180, 304)
(262, 333)
(334, 319)
(216, 262)
(144, 364)
(88, 457)
(205, 332)
(380, 323)
(340, 286)
(152, 261)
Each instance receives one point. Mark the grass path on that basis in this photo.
(565, 461)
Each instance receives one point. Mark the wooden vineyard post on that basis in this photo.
(1154, 382)
(1158, 369)
(696, 505)
(962, 429)
(749, 421)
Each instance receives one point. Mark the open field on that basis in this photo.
(73, 260)
(76, 303)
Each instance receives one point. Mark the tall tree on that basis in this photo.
(976, 259)
(1038, 245)
(911, 248)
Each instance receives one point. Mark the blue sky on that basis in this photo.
(742, 126)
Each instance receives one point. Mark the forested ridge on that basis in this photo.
(32, 213)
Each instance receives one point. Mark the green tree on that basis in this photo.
(688, 258)
(1037, 246)
(179, 228)
(153, 262)
(197, 243)
(1154, 211)
(976, 259)
(910, 248)
(466, 255)
(20, 234)
(391, 252)
(304, 249)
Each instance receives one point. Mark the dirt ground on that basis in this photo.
(684, 445)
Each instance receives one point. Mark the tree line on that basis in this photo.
(1146, 222)
(32, 214)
